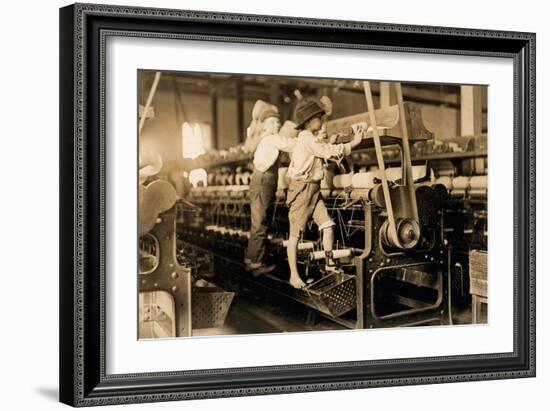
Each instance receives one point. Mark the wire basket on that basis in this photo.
(334, 294)
(210, 306)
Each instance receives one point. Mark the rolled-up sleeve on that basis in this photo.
(327, 150)
(285, 144)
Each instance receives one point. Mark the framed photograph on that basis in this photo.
(261, 204)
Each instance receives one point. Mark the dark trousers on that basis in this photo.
(263, 186)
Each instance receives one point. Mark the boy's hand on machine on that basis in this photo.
(359, 127)
(322, 134)
(334, 138)
(358, 130)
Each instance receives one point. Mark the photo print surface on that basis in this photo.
(272, 204)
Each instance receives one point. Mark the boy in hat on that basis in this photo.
(263, 186)
(306, 171)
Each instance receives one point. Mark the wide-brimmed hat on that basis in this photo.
(305, 110)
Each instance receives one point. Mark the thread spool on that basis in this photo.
(245, 177)
(211, 179)
(445, 168)
(357, 193)
(376, 195)
(479, 165)
(364, 180)
(230, 179)
(478, 186)
(419, 172)
(342, 180)
(304, 245)
(460, 186)
(478, 182)
(445, 181)
(334, 254)
(396, 173)
(239, 178)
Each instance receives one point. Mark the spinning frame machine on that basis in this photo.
(395, 232)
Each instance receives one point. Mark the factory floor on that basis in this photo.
(254, 312)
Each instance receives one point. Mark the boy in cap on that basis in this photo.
(263, 186)
(306, 171)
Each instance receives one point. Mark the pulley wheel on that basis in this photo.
(408, 234)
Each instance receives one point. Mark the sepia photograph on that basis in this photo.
(273, 204)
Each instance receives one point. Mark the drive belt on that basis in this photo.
(392, 233)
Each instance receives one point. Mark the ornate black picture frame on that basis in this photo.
(83, 30)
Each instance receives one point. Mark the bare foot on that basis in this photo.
(331, 269)
(296, 282)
